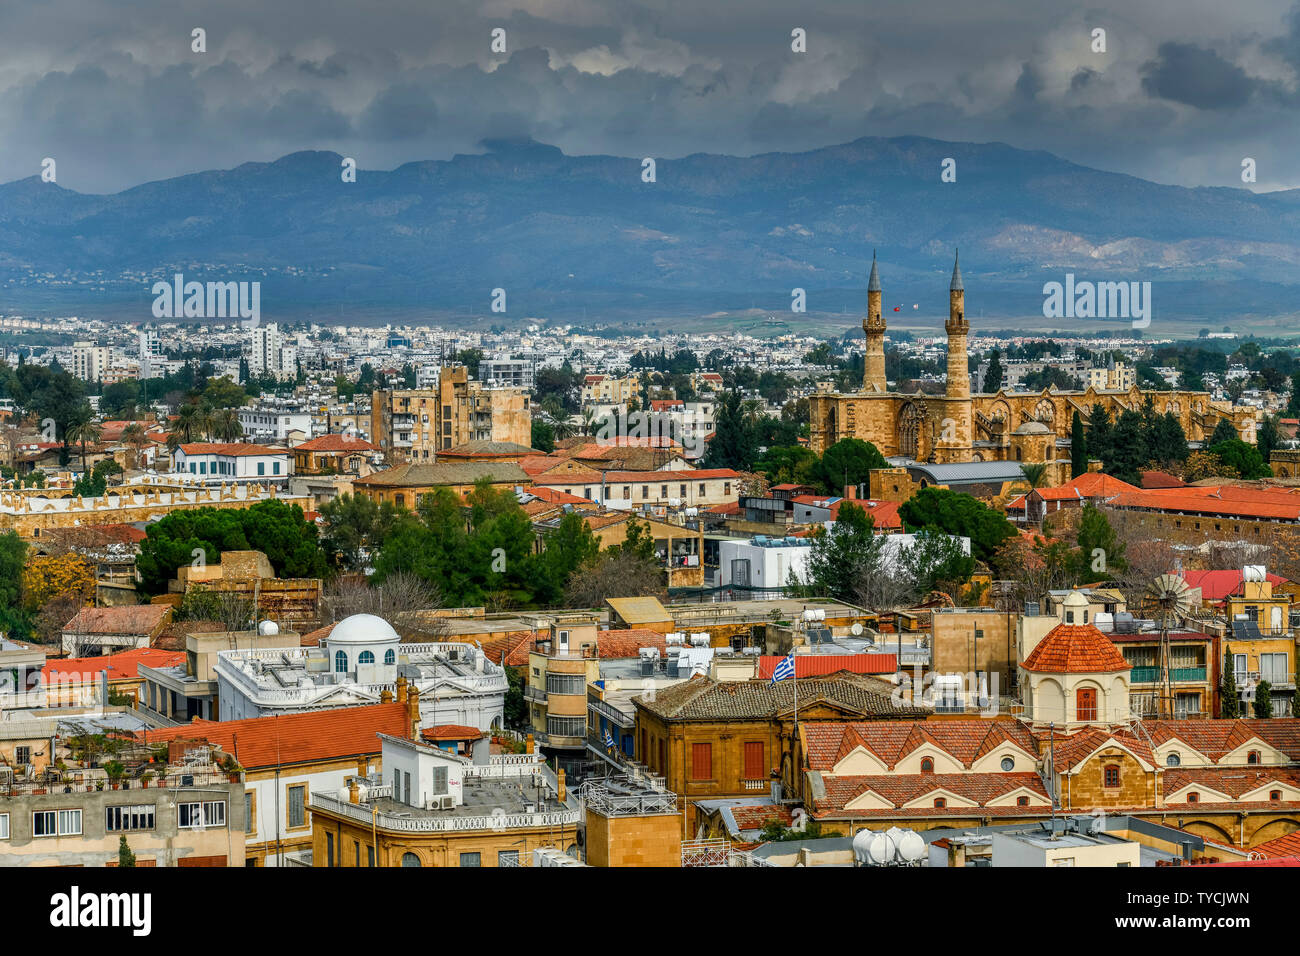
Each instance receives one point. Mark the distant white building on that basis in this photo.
(766, 562)
(273, 424)
(270, 354)
(150, 353)
(90, 361)
(362, 657)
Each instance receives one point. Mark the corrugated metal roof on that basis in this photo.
(944, 474)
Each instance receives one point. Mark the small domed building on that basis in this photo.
(1075, 675)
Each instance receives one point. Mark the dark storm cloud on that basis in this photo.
(1188, 74)
(114, 92)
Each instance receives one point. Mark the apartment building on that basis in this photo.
(90, 361)
(415, 424)
(220, 463)
(608, 389)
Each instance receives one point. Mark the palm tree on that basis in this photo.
(1035, 473)
(83, 432)
(225, 424)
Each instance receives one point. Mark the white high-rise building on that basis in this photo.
(270, 355)
(89, 361)
(151, 353)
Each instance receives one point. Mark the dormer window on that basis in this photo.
(927, 765)
(1252, 757)
(1275, 795)
(1022, 801)
(940, 803)
(1193, 797)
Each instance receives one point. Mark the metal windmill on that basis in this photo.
(1167, 600)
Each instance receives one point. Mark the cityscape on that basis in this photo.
(455, 507)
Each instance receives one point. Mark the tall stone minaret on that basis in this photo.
(957, 328)
(873, 373)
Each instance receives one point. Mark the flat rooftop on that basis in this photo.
(481, 797)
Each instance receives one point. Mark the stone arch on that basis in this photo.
(1274, 829)
(1207, 830)
(911, 423)
(1282, 472)
(1049, 700)
(1045, 411)
(977, 457)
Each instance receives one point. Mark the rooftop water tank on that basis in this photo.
(268, 628)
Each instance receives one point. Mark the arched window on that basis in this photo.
(1252, 757)
(1193, 797)
(1173, 760)
(1275, 795)
(1022, 801)
(927, 765)
(940, 803)
(366, 658)
(1110, 776)
(341, 662)
(1008, 764)
(390, 657)
(1085, 703)
(410, 859)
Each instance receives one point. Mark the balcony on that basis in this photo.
(1144, 675)
(1187, 674)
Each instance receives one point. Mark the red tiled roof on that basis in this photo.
(1091, 484)
(755, 816)
(120, 666)
(627, 642)
(555, 496)
(1225, 500)
(296, 738)
(347, 443)
(1284, 847)
(1160, 479)
(901, 789)
(820, 665)
(1075, 649)
(510, 650)
(965, 740)
(1217, 585)
(231, 449)
(128, 619)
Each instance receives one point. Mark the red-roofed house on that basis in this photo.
(346, 454)
(1092, 487)
(218, 463)
(95, 631)
(1075, 674)
(290, 756)
(77, 680)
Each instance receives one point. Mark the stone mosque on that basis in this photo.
(958, 427)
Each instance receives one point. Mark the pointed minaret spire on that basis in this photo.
(956, 284)
(873, 283)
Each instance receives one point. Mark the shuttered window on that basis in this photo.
(701, 761)
(754, 769)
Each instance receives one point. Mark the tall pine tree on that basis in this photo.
(1229, 702)
(1078, 447)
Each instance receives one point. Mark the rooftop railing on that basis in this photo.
(433, 822)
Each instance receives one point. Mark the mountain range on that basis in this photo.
(573, 237)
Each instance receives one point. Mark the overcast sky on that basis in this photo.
(112, 90)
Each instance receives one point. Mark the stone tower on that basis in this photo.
(957, 328)
(873, 374)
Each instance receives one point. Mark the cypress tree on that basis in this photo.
(1078, 447)
(1229, 702)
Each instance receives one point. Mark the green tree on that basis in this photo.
(353, 525)
(1263, 700)
(1242, 457)
(1229, 696)
(1223, 431)
(125, 857)
(936, 561)
(1167, 442)
(848, 462)
(840, 558)
(993, 377)
(1101, 552)
(1035, 473)
(83, 433)
(784, 464)
(1266, 437)
(1078, 447)
(735, 436)
(568, 547)
(1129, 453)
(13, 558)
(639, 542)
(957, 513)
(1100, 433)
(543, 436)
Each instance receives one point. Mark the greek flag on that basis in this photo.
(609, 741)
(784, 669)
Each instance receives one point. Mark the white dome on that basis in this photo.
(363, 629)
(1075, 599)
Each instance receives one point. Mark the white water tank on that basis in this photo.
(268, 628)
(911, 847)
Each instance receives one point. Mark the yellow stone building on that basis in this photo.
(1005, 426)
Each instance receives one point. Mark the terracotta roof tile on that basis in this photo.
(1075, 649)
(822, 665)
(297, 738)
(128, 619)
(120, 666)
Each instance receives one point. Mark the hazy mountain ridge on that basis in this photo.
(564, 233)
